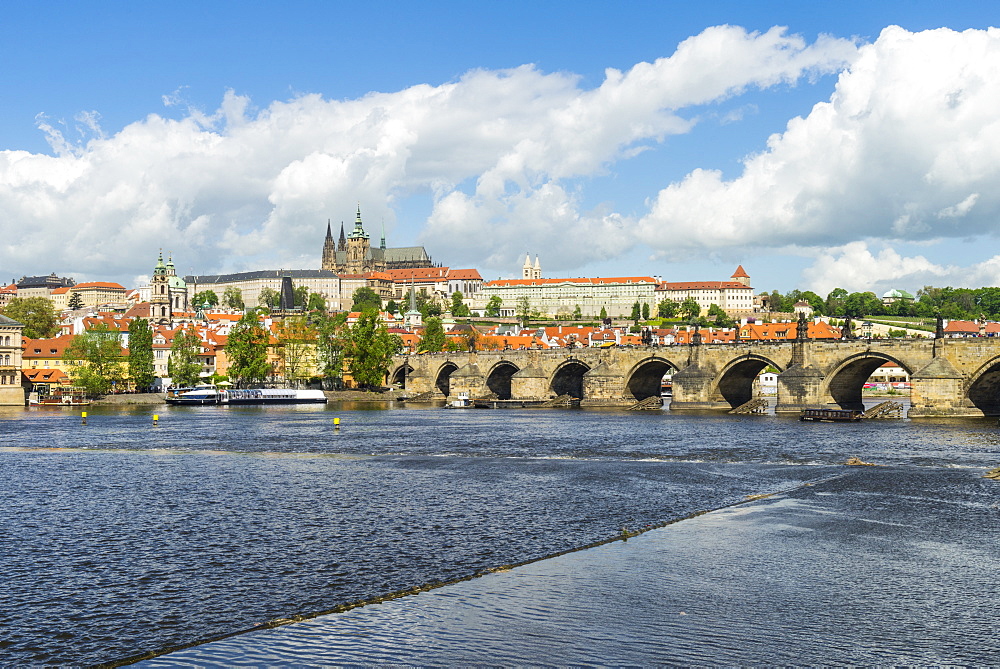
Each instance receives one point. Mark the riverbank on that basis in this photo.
(817, 575)
(331, 395)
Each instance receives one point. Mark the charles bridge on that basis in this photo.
(949, 377)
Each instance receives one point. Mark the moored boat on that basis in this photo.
(271, 396)
(193, 396)
(832, 415)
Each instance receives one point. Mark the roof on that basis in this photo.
(592, 281)
(4, 320)
(262, 274)
(99, 284)
(465, 274)
(417, 273)
(740, 273)
(701, 285)
(46, 348)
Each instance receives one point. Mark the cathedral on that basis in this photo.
(354, 253)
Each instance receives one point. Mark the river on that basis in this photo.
(121, 537)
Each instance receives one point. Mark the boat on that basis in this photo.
(60, 397)
(832, 415)
(211, 395)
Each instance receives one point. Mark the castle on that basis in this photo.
(354, 254)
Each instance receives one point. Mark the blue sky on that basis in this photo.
(228, 133)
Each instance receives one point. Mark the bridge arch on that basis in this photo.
(567, 379)
(442, 380)
(645, 378)
(735, 382)
(845, 383)
(983, 389)
(498, 379)
(398, 375)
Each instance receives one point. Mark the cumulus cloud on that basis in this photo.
(907, 148)
(502, 155)
(856, 268)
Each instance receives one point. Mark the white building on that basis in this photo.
(735, 297)
(554, 297)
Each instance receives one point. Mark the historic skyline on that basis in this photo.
(652, 138)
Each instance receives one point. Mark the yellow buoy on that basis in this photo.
(336, 423)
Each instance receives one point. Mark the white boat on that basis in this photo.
(212, 395)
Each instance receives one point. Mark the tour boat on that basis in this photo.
(832, 415)
(60, 397)
(211, 395)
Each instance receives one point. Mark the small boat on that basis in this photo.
(60, 397)
(832, 415)
(193, 396)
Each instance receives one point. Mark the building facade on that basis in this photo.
(11, 392)
(250, 285)
(735, 296)
(562, 297)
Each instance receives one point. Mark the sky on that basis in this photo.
(820, 145)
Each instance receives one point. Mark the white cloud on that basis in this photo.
(907, 148)
(500, 152)
(856, 268)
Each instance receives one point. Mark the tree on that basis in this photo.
(493, 306)
(861, 304)
(36, 314)
(645, 311)
(577, 313)
(458, 307)
(204, 296)
(523, 310)
(331, 339)
(140, 354)
(391, 307)
(426, 304)
(370, 349)
(636, 313)
(247, 351)
(75, 301)
(316, 302)
(366, 298)
(233, 298)
(835, 302)
(433, 339)
(100, 351)
(183, 365)
(667, 308)
(300, 296)
(689, 308)
(604, 314)
(268, 297)
(722, 319)
(296, 347)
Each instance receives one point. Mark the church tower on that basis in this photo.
(329, 250)
(342, 244)
(358, 246)
(741, 276)
(159, 298)
(537, 272)
(526, 271)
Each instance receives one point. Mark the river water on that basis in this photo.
(120, 537)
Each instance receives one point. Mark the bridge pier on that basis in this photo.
(603, 386)
(938, 390)
(800, 387)
(692, 389)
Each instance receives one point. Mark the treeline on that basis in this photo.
(950, 303)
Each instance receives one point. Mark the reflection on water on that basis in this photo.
(121, 537)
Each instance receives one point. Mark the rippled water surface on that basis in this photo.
(121, 537)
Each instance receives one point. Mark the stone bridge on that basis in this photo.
(949, 377)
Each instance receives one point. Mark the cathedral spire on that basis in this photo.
(328, 234)
(382, 245)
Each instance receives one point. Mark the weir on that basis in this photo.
(949, 377)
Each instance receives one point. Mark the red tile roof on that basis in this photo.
(700, 285)
(740, 273)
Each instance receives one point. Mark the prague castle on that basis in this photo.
(354, 253)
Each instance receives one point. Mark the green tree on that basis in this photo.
(370, 349)
(268, 297)
(493, 306)
(636, 313)
(183, 365)
(523, 311)
(433, 339)
(645, 311)
(722, 319)
(667, 308)
(100, 351)
(141, 370)
(689, 308)
(316, 302)
(391, 307)
(75, 301)
(857, 305)
(204, 296)
(296, 347)
(426, 304)
(232, 297)
(332, 335)
(300, 296)
(458, 307)
(604, 314)
(577, 313)
(835, 302)
(247, 351)
(366, 298)
(36, 314)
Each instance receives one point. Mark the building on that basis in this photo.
(11, 392)
(897, 296)
(92, 294)
(354, 253)
(250, 285)
(562, 297)
(735, 297)
(42, 286)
